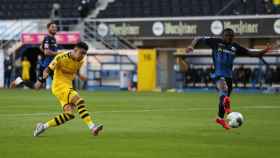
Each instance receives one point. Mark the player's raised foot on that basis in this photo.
(39, 129)
(96, 129)
(16, 82)
(227, 105)
(223, 123)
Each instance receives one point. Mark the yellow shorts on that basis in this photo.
(65, 95)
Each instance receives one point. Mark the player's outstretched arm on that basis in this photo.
(46, 73)
(190, 48)
(50, 68)
(49, 52)
(260, 53)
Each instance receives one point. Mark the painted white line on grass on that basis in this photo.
(113, 111)
(141, 111)
(258, 107)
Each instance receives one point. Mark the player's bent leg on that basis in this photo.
(226, 103)
(19, 82)
(227, 100)
(223, 91)
(223, 123)
(28, 84)
(39, 129)
(16, 82)
(67, 115)
(84, 114)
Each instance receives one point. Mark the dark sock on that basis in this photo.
(28, 84)
(221, 113)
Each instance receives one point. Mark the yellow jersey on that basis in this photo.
(276, 2)
(65, 69)
(25, 69)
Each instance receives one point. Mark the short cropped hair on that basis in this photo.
(228, 30)
(50, 23)
(82, 45)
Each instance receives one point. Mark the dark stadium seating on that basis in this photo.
(36, 9)
(27, 9)
(244, 76)
(163, 8)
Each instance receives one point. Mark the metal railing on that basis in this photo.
(110, 41)
(12, 33)
(86, 27)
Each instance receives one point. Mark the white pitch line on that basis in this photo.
(141, 111)
(114, 111)
(259, 107)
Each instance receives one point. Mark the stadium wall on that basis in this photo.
(1, 68)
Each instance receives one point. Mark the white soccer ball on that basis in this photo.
(235, 119)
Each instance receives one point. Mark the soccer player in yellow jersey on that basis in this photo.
(25, 69)
(65, 66)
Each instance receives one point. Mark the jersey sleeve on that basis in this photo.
(241, 51)
(209, 41)
(46, 43)
(54, 63)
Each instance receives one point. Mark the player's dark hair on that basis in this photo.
(228, 30)
(82, 45)
(50, 23)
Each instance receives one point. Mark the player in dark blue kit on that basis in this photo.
(49, 48)
(224, 51)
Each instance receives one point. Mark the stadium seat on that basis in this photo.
(27, 9)
(163, 8)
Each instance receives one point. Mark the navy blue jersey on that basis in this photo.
(223, 55)
(49, 42)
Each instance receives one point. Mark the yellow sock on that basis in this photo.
(84, 114)
(60, 119)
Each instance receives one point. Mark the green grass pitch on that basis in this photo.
(140, 125)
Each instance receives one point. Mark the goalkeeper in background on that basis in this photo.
(65, 66)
